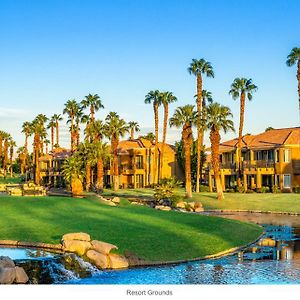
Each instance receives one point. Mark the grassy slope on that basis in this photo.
(9, 179)
(151, 234)
(282, 202)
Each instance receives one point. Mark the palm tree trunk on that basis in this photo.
(52, 138)
(155, 108)
(1, 150)
(92, 113)
(57, 134)
(100, 174)
(132, 133)
(26, 141)
(165, 126)
(72, 133)
(5, 157)
(88, 177)
(199, 131)
(187, 144)
(11, 168)
(298, 78)
(115, 143)
(239, 148)
(215, 143)
(37, 144)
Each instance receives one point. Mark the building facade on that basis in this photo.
(269, 159)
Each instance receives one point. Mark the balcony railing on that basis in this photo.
(258, 164)
(228, 165)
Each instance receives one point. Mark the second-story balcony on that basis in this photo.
(258, 164)
(228, 165)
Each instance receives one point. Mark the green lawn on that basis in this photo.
(9, 179)
(150, 234)
(282, 202)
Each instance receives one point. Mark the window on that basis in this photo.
(277, 156)
(257, 155)
(139, 161)
(287, 180)
(286, 155)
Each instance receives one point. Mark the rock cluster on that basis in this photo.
(190, 206)
(162, 207)
(111, 202)
(98, 252)
(10, 273)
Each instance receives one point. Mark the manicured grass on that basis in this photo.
(150, 234)
(281, 202)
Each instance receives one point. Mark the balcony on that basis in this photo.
(258, 164)
(228, 165)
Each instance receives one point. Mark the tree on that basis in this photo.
(150, 136)
(293, 59)
(11, 145)
(26, 130)
(51, 126)
(269, 128)
(2, 137)
(198, 68)
(115, 128)
(56, 118)
(154, 98)
(73, 172)
(185, 117)
(46, 142)
(166, 99)
(6, 137)
(71, 109)
(94, 103)
(133, 127)
(218, 118)
(241, 88)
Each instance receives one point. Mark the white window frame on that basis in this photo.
(287, 158)
(290, 180)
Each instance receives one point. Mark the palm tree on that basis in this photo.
(39, 132)
(95, 131)
(154, 98)
(73, 172)
(51, 126)
(94, 103)
(6, 137)
(115, 128)
(22, 157)
(56, 118)
(292, 59)
(206, 98)
(11, 145)
(134, 127)
(198, 68)
(241, 88)
(71, 109)
(166, 99)
(218, 118)
(150, 136)
(46, 142)
(26, 130)
(2, 135)
(185, 117)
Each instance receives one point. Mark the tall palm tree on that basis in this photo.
(51, 126)
(11, 145)
(38, 130)
(94, 103)
(218, 118)
(154, 98)
(241, 88)
(46, 142)
(198, 68)
(2, 136)
(26, 130)
(292, 59)
(166, 99)
(115, 128)
(149, 136)
(133, 127)
(56, 118)
(95, 131)
(6, 138)
(22, 157)
(185, 117)
(71, 109)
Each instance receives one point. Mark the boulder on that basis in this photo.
(80, 236)
(162, 207)
(79, 247)
(198, 205)
(6, 262)
(118, 261)
(21, 276)
(199, 209)
(115, 200)
(7, 275)
(181, 205)
(102, 247)
(110, 203)
(192, 205)
(99, 259)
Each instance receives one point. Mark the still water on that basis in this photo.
(275, 259)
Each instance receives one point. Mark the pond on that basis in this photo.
(275, 259)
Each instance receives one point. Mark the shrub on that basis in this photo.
(297, 189)
(204, 188)
(241, 189)
(275, 189)
(249, 191)
(165, 189)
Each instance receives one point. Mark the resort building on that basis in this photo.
(269, 159)
(136, 165)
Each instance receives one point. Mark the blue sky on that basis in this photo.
(52, 51)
